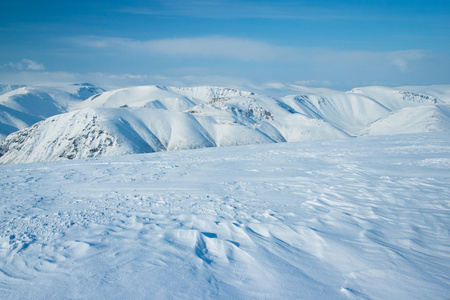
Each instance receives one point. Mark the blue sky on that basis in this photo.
(244, 44)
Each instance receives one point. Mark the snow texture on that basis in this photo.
(364, 218)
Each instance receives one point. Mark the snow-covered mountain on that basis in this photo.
(149, 119)
(154, 118)
(23, 106)
(411, 120)
(5, 88)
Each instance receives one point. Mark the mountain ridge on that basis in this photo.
(22, 106)
(155, 118)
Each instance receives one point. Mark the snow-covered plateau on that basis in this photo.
(56, 123)
(359, 218)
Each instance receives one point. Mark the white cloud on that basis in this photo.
(274, 85)
(24, 65)
(238, 63)
(313, 83)
(238, 9)
(28, 64)
(248, 50)
(104, 80)
(209, 46)
(230, 9)
(403, 59)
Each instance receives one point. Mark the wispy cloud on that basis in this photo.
(237, 62)
(24, 65)
(231, 9)
(311, 82)
(220, 47)
(403, 59)
(255, 9)
(209, 46)
(102, 79)
(279, 10)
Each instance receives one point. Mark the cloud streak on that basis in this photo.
(287, 10)
(231, 9)
(215, 60)
(210, 46)
(219, 47)
(24, 65)
(403, 59)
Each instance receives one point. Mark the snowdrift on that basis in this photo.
(312, 220)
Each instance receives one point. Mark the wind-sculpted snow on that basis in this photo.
(366, 218)
(145, 119)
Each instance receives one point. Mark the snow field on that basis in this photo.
(363, 218)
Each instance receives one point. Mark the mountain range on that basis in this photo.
(41, 123)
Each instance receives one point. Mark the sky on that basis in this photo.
(266, 45)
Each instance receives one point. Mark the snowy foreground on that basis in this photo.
(364, 218)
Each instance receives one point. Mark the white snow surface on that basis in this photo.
(361, 218)
(148, 119)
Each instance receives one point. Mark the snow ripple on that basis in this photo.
(301, 220)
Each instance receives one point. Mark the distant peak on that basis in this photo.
(86, 84)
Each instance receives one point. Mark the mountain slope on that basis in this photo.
(354, 110)
(23, 106)
(411, 120)
(395, 99)
(349, 112)
(5, 88)
(441, 92)
(115, 131)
